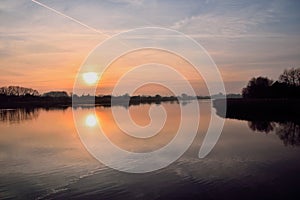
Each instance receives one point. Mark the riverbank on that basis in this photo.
(259, 109)
(7, 102)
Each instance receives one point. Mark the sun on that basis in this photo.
(90, 77)
(91, 120)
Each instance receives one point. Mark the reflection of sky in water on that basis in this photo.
(44, 156)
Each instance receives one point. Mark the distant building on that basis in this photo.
(56, 94)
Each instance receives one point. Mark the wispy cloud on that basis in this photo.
(232, 23)
(132, 2)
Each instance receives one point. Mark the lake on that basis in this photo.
(42, 157)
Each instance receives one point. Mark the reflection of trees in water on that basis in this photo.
(18, 115)
(288, 132)
(261, 126)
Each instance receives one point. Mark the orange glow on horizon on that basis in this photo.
(133, 59)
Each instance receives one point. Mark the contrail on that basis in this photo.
(71, 18)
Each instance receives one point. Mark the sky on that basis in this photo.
(44, 50)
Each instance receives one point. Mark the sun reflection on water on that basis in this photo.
(91, 120)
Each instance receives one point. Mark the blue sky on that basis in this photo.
(245, 38)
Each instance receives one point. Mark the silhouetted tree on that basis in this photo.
(18, 91)
(290, 77)
(56, 94)
(257, 88)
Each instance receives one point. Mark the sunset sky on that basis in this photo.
(44, 50)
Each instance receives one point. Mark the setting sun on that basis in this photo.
(90, 77)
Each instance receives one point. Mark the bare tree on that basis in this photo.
(18, 91)
(290, 77)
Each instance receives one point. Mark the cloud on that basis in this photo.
(228, 23)
(131, 2)
(10, 72)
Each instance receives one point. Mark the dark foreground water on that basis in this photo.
(42, 157)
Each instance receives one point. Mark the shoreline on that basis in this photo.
(278, 110)
(13, 102)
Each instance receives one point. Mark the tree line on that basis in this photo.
(287, 86)
(16, 96)
(18, 91)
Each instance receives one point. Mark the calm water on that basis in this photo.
(42, 157)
